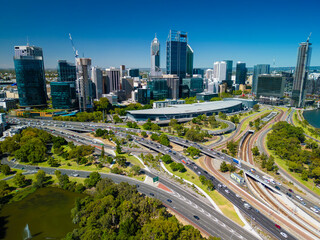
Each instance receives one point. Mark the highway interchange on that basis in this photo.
(262, 220)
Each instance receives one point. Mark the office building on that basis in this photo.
(301, 75)
(127, 86)
(241, 73)
(113, 78)
(189, 60)
(220, 71)
(195, 85)
(30, 76)
(198, 71)
(206, 96)
(66, 71)
(209, 74)
(155, 58)
(229, 64)
(123, 71)
(167, 103)
(96, 77)
(143, 95)
(173, 83)
(270, 85)
(158, 88)
(8, 104)
(84, 83)
(63, 95)
(257, 70)
(134, 72)
(177, 53)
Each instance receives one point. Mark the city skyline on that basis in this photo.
(115, 40)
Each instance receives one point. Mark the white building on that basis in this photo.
(113, 76)
(219, 71)
(209, 74)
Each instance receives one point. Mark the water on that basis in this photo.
(26, 233)
(47, 212)
(313, 117)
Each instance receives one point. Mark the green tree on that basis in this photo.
(166, 159)
(193, 151)
(121, 160)
(40, 179)
(20, 180)
(224, 167)
(304, 175)
(5, 169)
(144, 134)
(164, 140)
(136, 170)
(4, 188)
(118, 148)
(255, 151)
(94, 177)
(256, 107)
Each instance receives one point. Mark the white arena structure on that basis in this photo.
(185, 111)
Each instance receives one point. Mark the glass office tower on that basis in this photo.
(271, 85)
(158, 88)
(189, 61)
(241, 73)
(30, 76)
(177, 54)
(195, 85)
(66, 71)
(155, 58)
(301, 75)
(63, 95)
(257, 70)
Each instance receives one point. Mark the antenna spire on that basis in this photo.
(309, 37)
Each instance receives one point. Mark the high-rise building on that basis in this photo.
(173, 83)
(84, 83)
(134, 72)
(189, 60)
(220, 71)
(209, 74)
(241, 73)
(301, 74)
(177, 53)
(30, 76)
(127, 85)
(195, 85)
(271, 85)
(143, 95)
(155, 58)
(198, 71)
(158, 88)
(113, 78)
(96, 77)
(66, 71)
(257, 70)
(123, 71)
(229, 64)
(63, 95)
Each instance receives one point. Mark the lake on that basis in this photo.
(47, 211)
(313, 117)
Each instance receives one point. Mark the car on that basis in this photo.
(76, 175)
(313, 209)
(300, 198)
(196, 217)
(224, 186)
(290, 190)
(303, 203)
(151, 194)
(289, 194)
(37, 168)
(237, 195)
(219, 185)
(277, 226)
(227, 191)
(278, 183)
(283, 234)
(169, 200)
(277, 187)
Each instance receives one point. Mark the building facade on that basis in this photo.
(220, 71)
(127, 85)
(66, 71)
(84, 83)
(270, 85)
(134, 72)
(241, 73)
(177, 53)
(143, 95)
(96, 77)
(257, 70)
(189, 60)
(301, 75)
(63, 95)
(113, 79)
(30, 76)
(158, 88)
(173, 83)
(195, 85)
(155, 58)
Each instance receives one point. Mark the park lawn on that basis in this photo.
(225, 206)
(282, 164)
(132, 159)
(13, 172)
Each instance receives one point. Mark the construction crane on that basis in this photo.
(75, 52)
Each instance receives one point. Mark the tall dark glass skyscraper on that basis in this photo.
(229, 69)
(155, 58)
(301, 74)
(177, 53)
(257, 70)
(63, 95)
(30, 75)
(189, 61)
(241, 73)
(66, 71)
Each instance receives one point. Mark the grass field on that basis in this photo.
(225, 206)
(13, 171)
(305, 129)
(246, 122)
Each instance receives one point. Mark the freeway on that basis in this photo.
(210, 221)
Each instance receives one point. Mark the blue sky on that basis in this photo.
(120, 32)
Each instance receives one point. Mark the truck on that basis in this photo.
(236, 161)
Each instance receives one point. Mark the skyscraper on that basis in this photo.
(177, 53)
(96, 77)
(241, 73)
(66, 71)
(127, 85)
(270, 85)
(155, 58)
(158, 88)
(30, 76)
(301, 74)
(229, 64)
(123, 71)
(113, 78)
(189, 60)
(134, 72)
(220, 71)
(63, 95)
(84, 84)
(257, 70)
